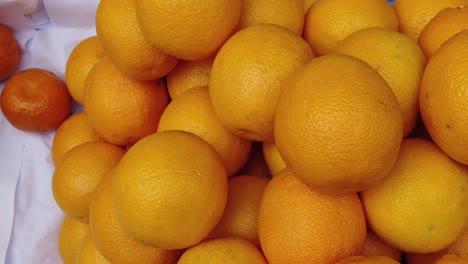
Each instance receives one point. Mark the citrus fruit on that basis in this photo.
(224, 250)
(452, 259)
(414, 15)
(299, 224)
(286, 13)
(367, 260)
(247, 76)
(73, 132)
(308, 4)
(81, 60)
(187, 75)
(88, 253)
(111, 240)
(330, 21)
(421, 206)
(78, 174)
(127, 47)
(70, 235)
(240, 216)
(192, 112)
(10, 53)
(442, 101)
(170, 190)
(273, 158)
(398, 59)
(189, 30)
(256, 164)
(121, 110)
(35, 100)
(377, 247)
(338, 125)
(444, 25)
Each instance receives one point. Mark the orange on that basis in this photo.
(81, 60)
(273, 158)
(111, 240)
(398, 59)
(377, 247)
(87, 252)
(308, 4)
(224, 250)
(192, 112)
(35, 100)
(421, 206)
(118, 29)
(256, 164)
(10, 53)
(330, 21)
(187, 75)
(299, 224)
(459, 247)
(121, 110)
(189, 30)
(170, 190)
(442, 100)
(452, 259)
(247, 76)
(444, 25)
(367, 260)
(240, 216)
(338, 125)
(78, 174)
(286, 13)
(414, 15)
(70, 236)
(73, 132)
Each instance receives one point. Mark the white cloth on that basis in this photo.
(30, 218)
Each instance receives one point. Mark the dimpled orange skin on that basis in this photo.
(443, 98)
(298, 224)
(452, 259)
(368, 260)
(87, 252)
(338, 125)
(187, 75)
(10, 53)
(170, 190)
(71, 234)
(375, 246)
(189, 29)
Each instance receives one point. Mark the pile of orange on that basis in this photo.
(267, 132)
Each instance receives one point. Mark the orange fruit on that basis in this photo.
(308, 4)
(375, 246)
(414, 15)
(330, 21)
(247, 76)
(73, 132)
(70, 235)
(444, 25)
(228, 250)
(192, 112)
(187, 75)
(240, 216)
(35, 100)
(170, 190)
(121, 110)
(87, 252)
(459, 247)
(299, 224)
(286, 13)
(78, 174)
(273, 158)
(421, 206)
(398, 59)
(442, 104)
(10, 53)
(452, 259)
(81, 60)
(111, 240)
(127, 47)
(189, 30)
(341, 135)
(367, 260)
(256, 165)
